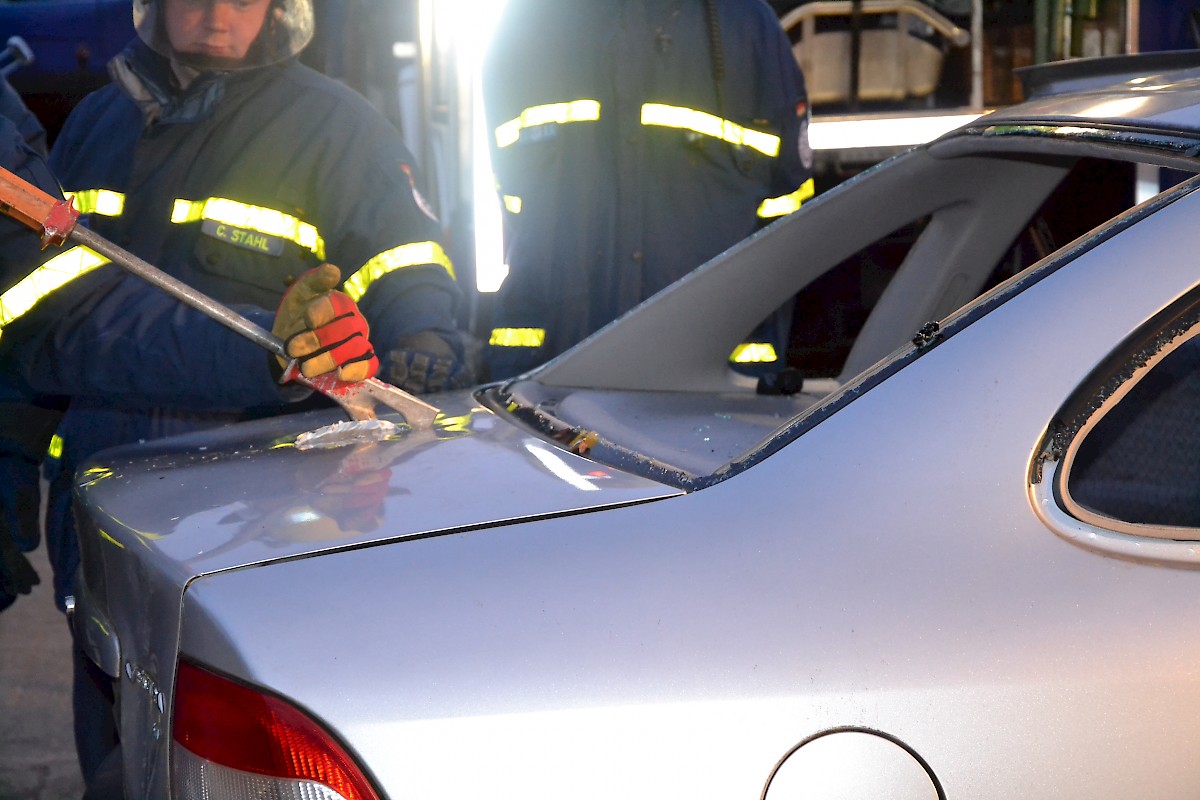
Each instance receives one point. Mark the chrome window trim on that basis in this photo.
(1044, 499)
(1062, 469)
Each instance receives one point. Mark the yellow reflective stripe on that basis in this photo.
(55, 450)
(406, 255)
(782, 206)
(512, 203)
(710, 125)
(517, 337)
(58, 271)
(753, 353)
(562, 113)
(256, 218)
(106, 536)
(105, 202)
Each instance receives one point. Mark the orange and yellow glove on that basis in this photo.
(322, 328)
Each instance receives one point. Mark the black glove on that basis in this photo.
(425, 362)
(24, 436)
(17, 575)
(20, 497)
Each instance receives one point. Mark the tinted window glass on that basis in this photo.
(1141, 463)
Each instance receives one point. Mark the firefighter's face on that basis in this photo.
(220, 30)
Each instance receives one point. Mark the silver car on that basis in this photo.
(953, 551)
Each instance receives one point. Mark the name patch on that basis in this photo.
(242, 237)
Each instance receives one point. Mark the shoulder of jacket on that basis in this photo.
(322, 97)
(103, 99)
(82, 121)
(754, 15)
(320, 87)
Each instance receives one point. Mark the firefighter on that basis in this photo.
(26, 422)
(632, 140)
(217, 157)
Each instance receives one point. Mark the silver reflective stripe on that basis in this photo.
(406, 255)
(709, 125)
(53, 274)
(561, 113)
(267, 221)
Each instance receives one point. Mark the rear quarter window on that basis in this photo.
(1136, 467)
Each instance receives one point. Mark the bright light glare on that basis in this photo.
(554, 462)
(303, 515)
(478, 19)
(1116, 108)
(490, 269)
(1147, 183)
(837, 134)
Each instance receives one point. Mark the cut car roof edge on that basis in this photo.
(1083, 74)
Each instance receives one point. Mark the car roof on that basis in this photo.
(1156, 91)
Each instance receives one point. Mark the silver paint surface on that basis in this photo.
(155, 517)
(244, 497)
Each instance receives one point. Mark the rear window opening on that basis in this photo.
(862, 269)
(829, 313)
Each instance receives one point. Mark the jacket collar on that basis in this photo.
(150, 81)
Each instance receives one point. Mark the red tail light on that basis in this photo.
(232, 741)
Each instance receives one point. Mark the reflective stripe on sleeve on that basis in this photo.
(406, 255)
(255, 218)
(753, 353)
(517, 337)
(786, 204)
(53, 274)
(55, 450)
(561, 113)
(709, 125)
(105, 202)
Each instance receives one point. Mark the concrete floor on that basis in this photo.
(37, 752)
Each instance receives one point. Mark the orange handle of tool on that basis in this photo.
(54, 219)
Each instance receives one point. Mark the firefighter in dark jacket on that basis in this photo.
(217, 157)
(237, 172)
(25, 422)
(632, 140)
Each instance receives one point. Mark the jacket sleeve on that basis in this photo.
(85, 339)
(387, 241)
(20, 249)
(109, 335)
(20, 254)
(13, 108)
(788, 101)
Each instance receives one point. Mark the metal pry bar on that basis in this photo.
(56, 221)
(358, 400)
